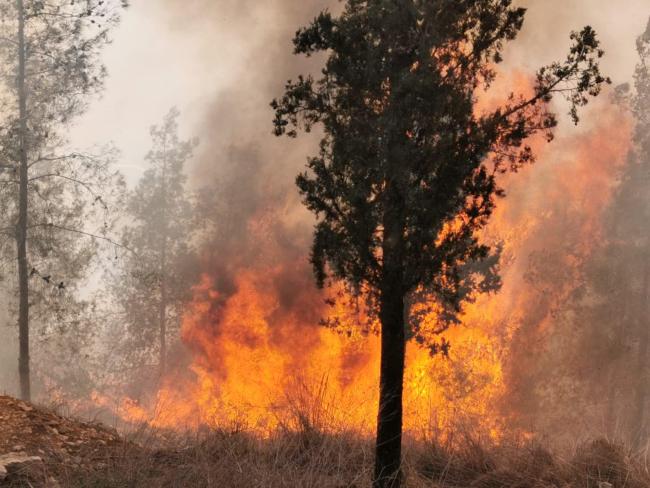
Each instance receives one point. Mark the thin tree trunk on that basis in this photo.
(610, 407)
(21, 228)
(163, 313)
(639, 420)
(612, 413)
(163, 268)
(393, 343)
(621, 320)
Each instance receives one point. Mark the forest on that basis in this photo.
(383, 243)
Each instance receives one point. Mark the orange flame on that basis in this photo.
(260, 360)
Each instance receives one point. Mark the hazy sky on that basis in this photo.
(193, 53)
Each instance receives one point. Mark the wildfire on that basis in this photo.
(259, 367)
(261, 360)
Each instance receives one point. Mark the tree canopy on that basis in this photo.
(407, 170)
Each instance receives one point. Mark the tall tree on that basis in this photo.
(581, 378)
(619, 277)
(153, 283)
(51, 67)
(408, 165)
(640, 234)
(607, 314)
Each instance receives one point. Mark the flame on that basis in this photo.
(261, 360)
(260, 367)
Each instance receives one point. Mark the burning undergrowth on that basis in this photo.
(261, 359)
(257, 355)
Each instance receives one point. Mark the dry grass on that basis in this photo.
(304, 452)
(236, 459)
(311, 459)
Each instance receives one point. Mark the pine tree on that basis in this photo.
(618, 332)
(154, 280)
(51, 68)
(407, 169)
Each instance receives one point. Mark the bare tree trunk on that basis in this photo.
(163, 268)
(625, 323)
(163, 312)
(610, 408)
(393, 344)
(389, 420)
(639, 431)
(21, 228)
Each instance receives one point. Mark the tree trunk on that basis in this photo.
(21, 227)
(610, 406)
(389, 421)
(163, 316)
(163, 266)
(624, 322)
(393, 343)
(639, 432)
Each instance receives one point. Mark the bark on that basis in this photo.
(639, 420)
(388, 454)
(21, 227)
(389, 421)
(162, 312)
(616, 370)
(163, 321)
(610, 406)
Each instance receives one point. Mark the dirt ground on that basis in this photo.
(38, 447)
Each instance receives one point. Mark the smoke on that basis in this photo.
(260, 227)
(558, 208)
(223, 61)
(258, 280)
(249, 44)
(250, 171)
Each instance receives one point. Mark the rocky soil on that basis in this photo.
(38, 447)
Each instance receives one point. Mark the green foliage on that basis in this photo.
(403, 139)
(159, 233)
(69, 192)
(63, 65)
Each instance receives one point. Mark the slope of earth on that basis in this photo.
(37, 447)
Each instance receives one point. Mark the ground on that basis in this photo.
(50, 445)
(40, 449)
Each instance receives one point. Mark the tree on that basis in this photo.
(408, 165)
(155, 280)
(51, 68)
(619, 276)
(639, 234)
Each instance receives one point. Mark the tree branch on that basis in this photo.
(84, 233)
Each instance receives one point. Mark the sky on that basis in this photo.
(221, 61)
